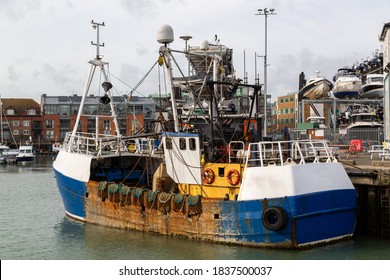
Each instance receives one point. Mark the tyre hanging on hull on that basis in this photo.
(274, 218)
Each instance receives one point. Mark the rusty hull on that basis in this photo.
(168, 219)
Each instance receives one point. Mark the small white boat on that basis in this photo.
(25, 155)
(373, 87)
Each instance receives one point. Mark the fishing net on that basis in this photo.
(137, 196)
(113, 192)
(151, 202)
(102, 190)
(194, 205)
(125, 195)
(179, 205)
(164, 202)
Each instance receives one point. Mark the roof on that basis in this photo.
(384, 30)
(20, 105)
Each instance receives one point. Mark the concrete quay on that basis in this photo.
(371, 178)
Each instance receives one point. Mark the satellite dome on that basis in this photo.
(204, 45)
(165, 34)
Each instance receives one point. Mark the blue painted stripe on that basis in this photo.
(180, 134)
(72, 193)
(311, 218)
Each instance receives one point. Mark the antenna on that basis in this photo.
(96, 26)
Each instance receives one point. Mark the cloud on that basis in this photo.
(18, 9)
(13, 74)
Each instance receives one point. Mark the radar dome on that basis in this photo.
(204, 45)
(165, 34)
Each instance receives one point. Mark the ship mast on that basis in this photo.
(107, 98)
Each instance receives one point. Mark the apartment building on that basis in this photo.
(21, 120)
(48, 122)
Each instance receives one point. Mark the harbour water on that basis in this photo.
(33, 226)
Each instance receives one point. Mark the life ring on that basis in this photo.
(233, 177)
(274, 218)
(208, 176)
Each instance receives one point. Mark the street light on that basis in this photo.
(265, 12)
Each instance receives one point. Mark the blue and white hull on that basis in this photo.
(346, 94)
(308, 221)
(72, 172)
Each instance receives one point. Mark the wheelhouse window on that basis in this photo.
(182, 143)
(192, 144)
(168, 143)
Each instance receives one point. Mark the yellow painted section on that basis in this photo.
(220, 187)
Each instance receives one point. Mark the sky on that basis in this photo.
(45, 45)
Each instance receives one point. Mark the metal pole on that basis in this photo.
(265, 76)
(265, 12)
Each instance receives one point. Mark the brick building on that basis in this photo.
(21, 120)
(48, 122)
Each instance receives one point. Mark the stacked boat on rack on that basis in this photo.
(346, 84)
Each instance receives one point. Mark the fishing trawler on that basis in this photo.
(87, 156)
(213, 186)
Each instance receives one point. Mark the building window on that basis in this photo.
(50, 124)
(10, 112)
(15, 123)
(281, 121)
(281, 100)
(292, 120)
(26, 132)
(291, 98)
(31, 112)
(26, 123)
(291, 110)
(50, 134)
(52, 109)
(286, 121)
(15, 132)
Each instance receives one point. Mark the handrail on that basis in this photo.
(280, 153)
(89, 144)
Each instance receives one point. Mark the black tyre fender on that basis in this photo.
(274, 218)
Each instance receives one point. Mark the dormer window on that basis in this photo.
(31, 112)
(10, 111)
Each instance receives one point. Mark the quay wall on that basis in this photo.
(372, 184)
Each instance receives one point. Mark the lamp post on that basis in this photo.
(265, 12)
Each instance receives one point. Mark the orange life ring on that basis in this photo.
(208, 176)
(233, 177)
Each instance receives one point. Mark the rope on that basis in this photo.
(164, 197)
